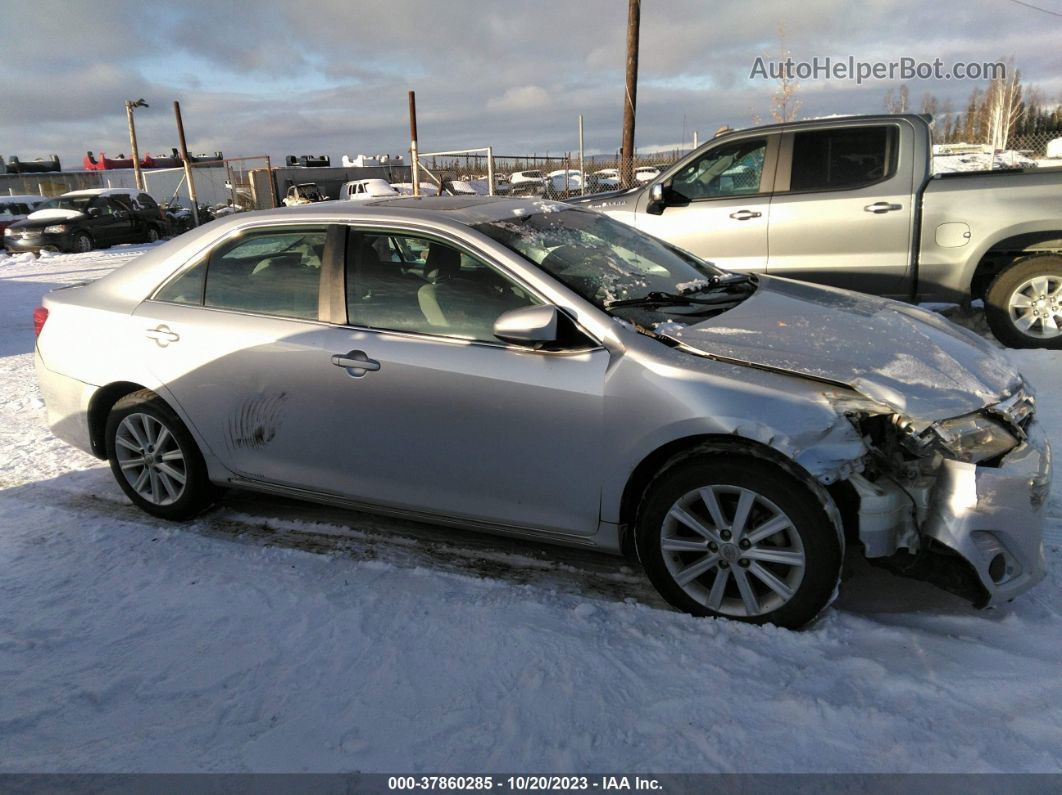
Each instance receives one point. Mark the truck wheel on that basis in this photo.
(1023, 304)
(738, 538)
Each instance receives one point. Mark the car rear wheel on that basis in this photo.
(152, 234)
(1023, 304)
(738, 538)
(155, 459)
(82, 243)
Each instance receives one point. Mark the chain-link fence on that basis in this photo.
(552, 176)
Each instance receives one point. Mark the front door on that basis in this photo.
(717, 205)
(442, 417)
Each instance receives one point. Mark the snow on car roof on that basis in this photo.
(104, 192)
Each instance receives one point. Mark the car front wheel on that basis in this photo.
(152, 234)
(82, 243)
(155, 459)
(739, 538)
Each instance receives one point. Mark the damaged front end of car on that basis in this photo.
(957, 502)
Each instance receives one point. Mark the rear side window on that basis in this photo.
(147, 202)
(842, 158)
(271, 272)
(275, 272)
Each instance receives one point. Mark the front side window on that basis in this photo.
(729, 170)
(841, 158)
(274, 272)
(409, 283)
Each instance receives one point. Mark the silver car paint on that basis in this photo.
(595, 414)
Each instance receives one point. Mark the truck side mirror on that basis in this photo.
(656, 199)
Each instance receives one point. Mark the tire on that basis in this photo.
(82, 243)
(152, 235)
(803, 556)
(135, 423)
(1029, 286)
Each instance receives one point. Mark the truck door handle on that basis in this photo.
(162, 335)
(356, 363)
(744, 215)
(882, 207)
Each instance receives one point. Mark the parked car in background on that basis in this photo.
(303, 193)
(605, 179)
(853, 202)
(527, 183)
(564, 182)
(644, 174)
(536, 370)
(85, 219)
(366, 189)
(17, 207)
(406, 188)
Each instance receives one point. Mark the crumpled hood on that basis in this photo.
(911, 359)
(53, 215)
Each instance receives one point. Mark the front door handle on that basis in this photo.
(744, 215)
(356, 363)
(882, 207)
(162, 335)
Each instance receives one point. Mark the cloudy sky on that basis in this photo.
(331, 76)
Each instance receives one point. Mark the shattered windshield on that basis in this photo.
(603, 260)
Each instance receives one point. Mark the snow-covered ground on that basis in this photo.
(277, 636)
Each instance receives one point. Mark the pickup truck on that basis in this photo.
(853, 202)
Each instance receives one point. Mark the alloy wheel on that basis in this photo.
(150, 459)
(1035, 307)
(732, 550)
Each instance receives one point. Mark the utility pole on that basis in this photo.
(413, 142)
(630, 97)
(187, 163)
(582, 170)
(137, 173)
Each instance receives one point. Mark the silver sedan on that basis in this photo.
(536, 370)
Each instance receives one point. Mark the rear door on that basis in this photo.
(717, 204)
(234, 342)
(842, 210)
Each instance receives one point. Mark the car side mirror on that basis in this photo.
(93, 212)
(656, 199)
(529, 325)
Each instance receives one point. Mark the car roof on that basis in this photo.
(105, 192)
(466, 209)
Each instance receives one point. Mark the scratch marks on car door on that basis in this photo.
(255, 422)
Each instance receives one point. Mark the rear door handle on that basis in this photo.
(744, 215)
(162, 335)
(882, 207)
(356, 363)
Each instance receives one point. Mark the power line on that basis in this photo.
(1037, 8)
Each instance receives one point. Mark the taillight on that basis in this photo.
(40, 314)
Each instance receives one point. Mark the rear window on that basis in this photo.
(842, 158)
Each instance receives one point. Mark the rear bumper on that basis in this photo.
(994, 516)
(67, 401)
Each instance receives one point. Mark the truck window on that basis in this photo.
(728, 170)
(842, 158)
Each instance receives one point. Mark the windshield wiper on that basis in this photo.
(718, 284)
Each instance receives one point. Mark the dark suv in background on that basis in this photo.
(86, 219)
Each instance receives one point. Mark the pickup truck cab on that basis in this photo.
(854, 203)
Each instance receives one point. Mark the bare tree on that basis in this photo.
(899, 102)
(1003, 107)
(784, 104)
